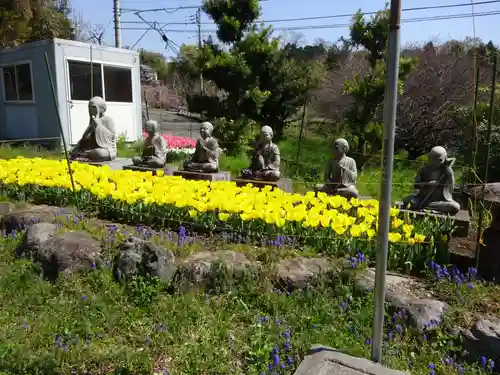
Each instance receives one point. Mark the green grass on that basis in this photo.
(89, 322)
(31, 151)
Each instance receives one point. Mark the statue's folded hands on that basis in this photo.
(98, 142)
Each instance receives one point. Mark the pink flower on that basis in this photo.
(175, 142)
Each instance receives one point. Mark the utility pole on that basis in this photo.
(198, 23)
(116, 13)
(390, 110)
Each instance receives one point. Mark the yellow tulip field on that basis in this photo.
(327, 222)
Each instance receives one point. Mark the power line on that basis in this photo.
(344, 25)
(431, 7)
(168, 10)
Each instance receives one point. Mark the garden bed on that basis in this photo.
(225, 322)
(330, 225)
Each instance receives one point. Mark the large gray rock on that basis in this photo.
(68, 252)
(483, 339)
(328, 361)
(138, 257)
(200, 269)
(298, 273)
(20, 219)
(409, 295)
(34, 237)
(489, 192)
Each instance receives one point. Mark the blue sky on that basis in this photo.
(100, 12)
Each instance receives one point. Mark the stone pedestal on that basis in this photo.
(462, 219)
(284, 184)
(364, 198)
(218, 176)
(116, 164)
(168, 170)
(328, 361)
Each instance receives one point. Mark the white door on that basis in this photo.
(119, 99)
(85, 82)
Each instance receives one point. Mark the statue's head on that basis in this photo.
(151, 127)
(266, 134)
(437, 156)
(206, 129)
(340, 147)
(97, 106)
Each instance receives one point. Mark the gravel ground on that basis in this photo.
(174, 124)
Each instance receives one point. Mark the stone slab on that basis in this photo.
(328, 361)
(364, 198)
(116, 164)
(168, 170)
(219, 176)
(285, 184)
(462, 219)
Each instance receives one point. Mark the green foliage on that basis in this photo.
(234, 135)
(465, 117)
(23, 21)
(368, 90)
(186, 63)
(331, 54)
(143, 289)
(232, 17)
(254, 78)
(371, 34)
(156, 61)
(87, 323)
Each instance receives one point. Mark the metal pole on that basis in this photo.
(390, 108)
(304, 114)
(474, 125)
(147, 105)
(91, 72)
(54, 97)
(198, 22)
(116, 14)
(491, 115)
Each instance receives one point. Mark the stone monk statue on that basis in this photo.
(206, 155)
(154, 152)
(98, 142)
(341, 172)
(435, 183)
(266, 159)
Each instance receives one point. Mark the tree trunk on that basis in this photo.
(360, 153)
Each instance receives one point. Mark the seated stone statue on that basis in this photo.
(98, 142)
(266, 159)
(154, 152)
(341, 173)
(206, 155)
(435, 183)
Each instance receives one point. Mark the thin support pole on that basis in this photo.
(390, 110)
(116, 16)
(302, 124)
(491, 116)
(200, 45)
(91, 72)
(474, 148)
(147, 105)
(54, 97)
